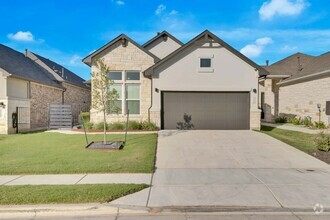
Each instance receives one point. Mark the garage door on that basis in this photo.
(208, 110)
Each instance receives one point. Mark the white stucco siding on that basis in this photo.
(230, 73)
(162, 48)
(17, 88)
(3, 87)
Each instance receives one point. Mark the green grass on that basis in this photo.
(299, 140)
(45, 153)
(45, 194)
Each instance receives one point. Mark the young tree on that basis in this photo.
(103, 98)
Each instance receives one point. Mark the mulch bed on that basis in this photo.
(322, 155)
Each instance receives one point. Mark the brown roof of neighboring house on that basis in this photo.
(289, 65)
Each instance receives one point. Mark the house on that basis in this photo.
(204, 82)
(29, 83)
(297, 86)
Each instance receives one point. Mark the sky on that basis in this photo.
(66, 31)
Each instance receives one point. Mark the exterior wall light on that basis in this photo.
(2, 105)
(156, 90)
(123, 42)
(254, 90)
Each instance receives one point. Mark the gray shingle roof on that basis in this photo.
(20, 66)
(289, 65)
(63, 72)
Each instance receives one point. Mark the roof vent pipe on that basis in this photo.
(62, 72)
(299, 65)
(267, 62)
(26, 51)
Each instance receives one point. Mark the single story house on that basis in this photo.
(31, 83)
(204, 82)
(297, 86)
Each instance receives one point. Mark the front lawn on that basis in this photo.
(55, 153)
(45, 194)
(299, 140)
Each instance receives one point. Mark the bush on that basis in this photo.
(307, 121)
(88, 125)
(134, 125)
(116, 126)
(322, 141)
(99, 126)
(295, 121)
(85, 116)
(280, 120)
(148, 126)
(320, 125)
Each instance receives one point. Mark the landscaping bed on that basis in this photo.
(302, 141)
(48, 194)
(55, 153)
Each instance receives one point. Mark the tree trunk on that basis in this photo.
(104, 129)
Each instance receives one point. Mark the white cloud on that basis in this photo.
(255, 49)
(160, 9)
(289, 49)
(173, 12)
(75, 60)
(281, 7)
(21, 36)
(120, 2)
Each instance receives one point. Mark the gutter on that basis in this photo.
(304, 77)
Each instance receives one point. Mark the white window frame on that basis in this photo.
(123, 83)
(205, 69)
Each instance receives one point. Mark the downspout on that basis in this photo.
(151, 101)
(64, 90)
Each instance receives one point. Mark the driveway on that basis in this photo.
(233, 169)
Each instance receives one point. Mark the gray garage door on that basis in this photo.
(208, 110)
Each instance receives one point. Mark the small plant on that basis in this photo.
(320, 125)
(116, 126)
(85, 116)
(148, 126)
(186, 125)
(88, 125)
(322, 141)
(100, 126)
(134, 125)
(280, 120)
(295, 121)
(307, 121)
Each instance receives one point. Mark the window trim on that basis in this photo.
(123, 83)
(206, 69)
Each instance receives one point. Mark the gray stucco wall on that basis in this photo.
(162, 48)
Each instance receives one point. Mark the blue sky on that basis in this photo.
(68, 30)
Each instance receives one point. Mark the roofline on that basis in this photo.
(121, 36)
(160, 35)
(262, 71)
(36, 81)
(304, 77)
(277, 76)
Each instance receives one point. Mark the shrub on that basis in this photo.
(88, 125)
(99, 126)
(307, 121)
(134, 125)
(322, 141)
(85, 116)
(280, 120)
(320, 125)
(116, 126)
(295, 121)
(148, 126)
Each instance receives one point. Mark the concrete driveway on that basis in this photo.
(233, 169)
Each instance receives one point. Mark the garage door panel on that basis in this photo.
(209, 110)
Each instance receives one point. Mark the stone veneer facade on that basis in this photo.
(130, 57)
(41, 96)
(301, 99)
(296, 99)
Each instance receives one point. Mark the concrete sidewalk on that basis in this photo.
(72, 179)
(295, 128)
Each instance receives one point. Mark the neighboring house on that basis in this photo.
(297, 86)
(27, 84)
(163, 80)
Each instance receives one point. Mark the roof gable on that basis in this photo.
(162, 35)
(88, 60)
(61, 72)
(18, 65)
(209, 38)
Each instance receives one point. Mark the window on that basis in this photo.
(127, 85)
(205, 62)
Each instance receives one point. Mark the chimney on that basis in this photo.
(267, 62)
(26, 52)
(299, 65)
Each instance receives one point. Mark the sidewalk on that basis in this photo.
(293, 128)
(71, 179)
